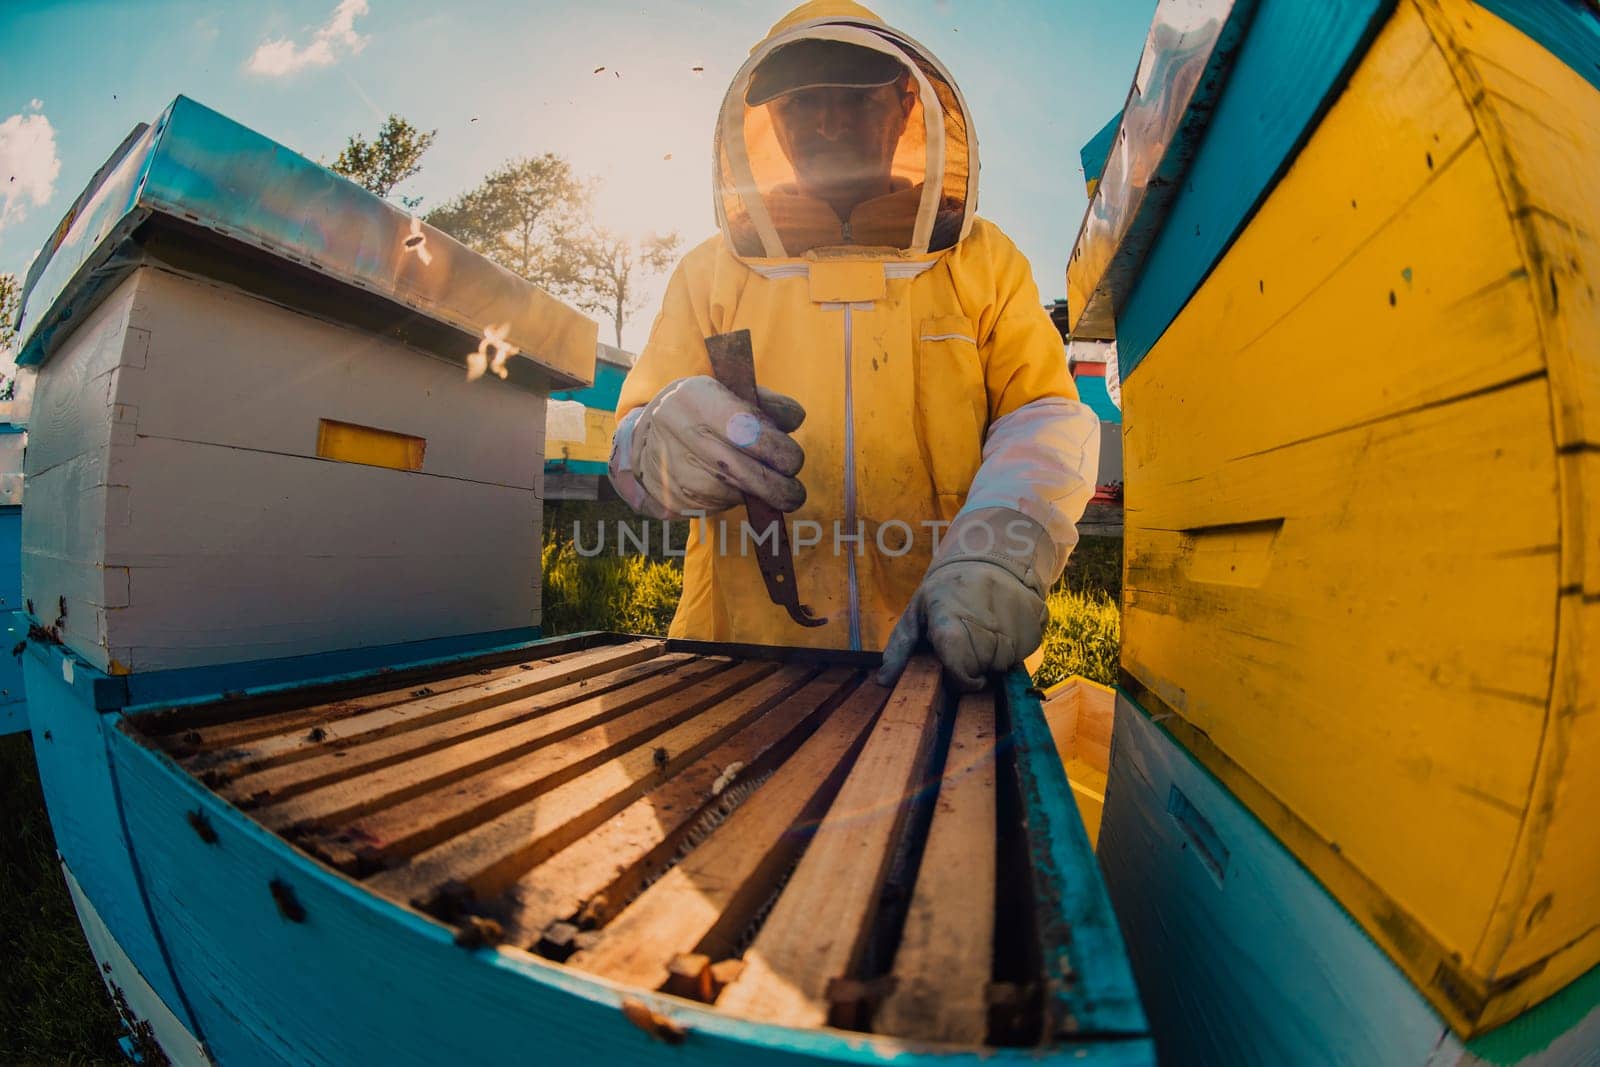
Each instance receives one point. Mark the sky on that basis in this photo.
(500, 79)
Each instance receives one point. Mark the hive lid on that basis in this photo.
(1134, 164)
(198, 191)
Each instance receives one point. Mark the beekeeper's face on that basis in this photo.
(842, 140)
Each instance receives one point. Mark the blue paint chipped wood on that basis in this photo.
(135, 998)
(69, 742)
(1095, 151)
(13, 697)
(1071, 902)
(1568, 29)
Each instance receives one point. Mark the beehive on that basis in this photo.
(768, 831)
(253, 436)
(1363, 477)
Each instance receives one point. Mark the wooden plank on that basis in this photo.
(414, 714)
(945, 959)
(546, 717)
(427, 819)
(82, 796)
(689, 975)
(703, 903)
(1080, 713)
(253, 590)
(1089, 793)
(225, 735)
(603, 870)
(1096, 711)
(492, 855)
(220, 353)
(822, 919)
(345, 800)
(724, 972)
(1061, 712)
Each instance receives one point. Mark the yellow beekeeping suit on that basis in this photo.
(906, 331)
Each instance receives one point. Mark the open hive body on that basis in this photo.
(1361, 374)
(668, 843)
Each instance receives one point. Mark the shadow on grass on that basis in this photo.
(53, 1007)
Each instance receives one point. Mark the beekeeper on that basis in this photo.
(916, 422)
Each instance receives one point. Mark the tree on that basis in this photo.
(527, 216)
(391, 157)
(613, 268)
(10, 307)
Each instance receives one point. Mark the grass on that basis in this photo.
(1085, 628)
(634, 594)
(53, 1006)
(638, 593)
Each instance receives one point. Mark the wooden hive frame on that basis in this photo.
(766, 830)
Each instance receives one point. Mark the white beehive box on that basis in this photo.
(253, 435)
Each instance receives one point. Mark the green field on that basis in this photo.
(53, 1007)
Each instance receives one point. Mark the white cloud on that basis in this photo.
(28, 164)
(336, 38)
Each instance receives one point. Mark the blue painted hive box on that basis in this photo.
(616, 845)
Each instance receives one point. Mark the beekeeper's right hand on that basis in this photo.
(698, 448)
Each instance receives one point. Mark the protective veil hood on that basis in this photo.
(934, 176)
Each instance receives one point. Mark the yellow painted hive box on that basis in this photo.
(1363, 510)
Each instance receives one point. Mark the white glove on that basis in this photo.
(981, 604)
(698, 448)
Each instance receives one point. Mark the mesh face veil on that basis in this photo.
(773, 200)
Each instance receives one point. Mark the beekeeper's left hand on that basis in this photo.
(981, 604)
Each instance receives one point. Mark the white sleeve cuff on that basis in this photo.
(1041, 460)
